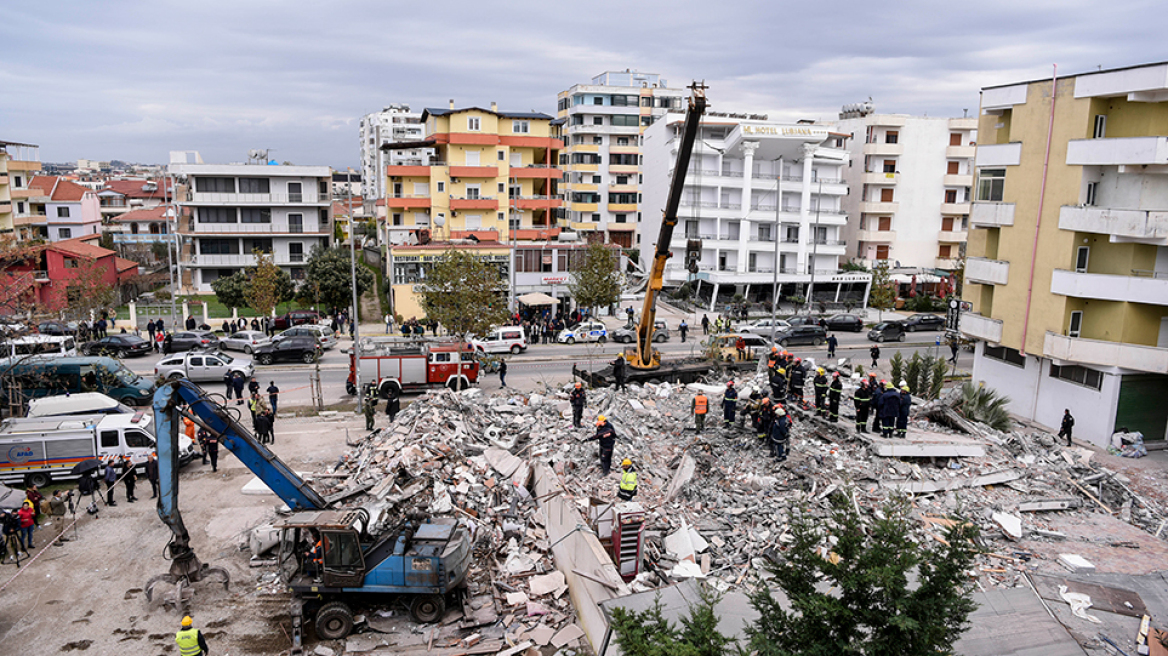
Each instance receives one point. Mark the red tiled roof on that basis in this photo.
(133, 188)
(63, 191)
(125, 265)
(79, 246)
(156, 213)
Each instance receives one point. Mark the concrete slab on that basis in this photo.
(1013, 622)
(923, 487)
(923, 444)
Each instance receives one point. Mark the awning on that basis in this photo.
(906, 279)
(537, 298)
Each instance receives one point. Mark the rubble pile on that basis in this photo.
(717, 504)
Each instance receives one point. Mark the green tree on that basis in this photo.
(980, 403)
(596, 282)
(897, 365)
(848, 582)
(329, 272)
(231, 290)
(267, 286)
(883, 294)
(648, 633)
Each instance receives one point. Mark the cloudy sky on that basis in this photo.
(134, 80)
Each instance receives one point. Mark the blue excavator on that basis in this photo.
(329, 558)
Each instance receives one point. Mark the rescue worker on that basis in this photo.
(779, 383)
(628, 481)
(618, 372)
(833, 397)
(577, 398)
(798, 379)
(889, 409)
(832, 343)
(772, 361)
(766, 416)
(314, 557)
(212, 442)
(779, 434)
(905, 404)
(190, 640)
(606, 435)
(874, 391)
(861, 398)
(1067, 426)
(370, 406)
(740, 346)
(700, 407)
(729, 404)
(129, 478)
(392, 404)
(820, 383)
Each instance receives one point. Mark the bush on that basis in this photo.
(922, 304)
(980, 403)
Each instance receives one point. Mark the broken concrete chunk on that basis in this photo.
(1060, 503)
(1011, 525)
(1076, 563)
(567, 635)
(546, 584)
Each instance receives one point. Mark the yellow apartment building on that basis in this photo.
(18, 163)
(1067, 266)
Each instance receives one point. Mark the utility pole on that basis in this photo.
(353, 272)
(170, 259)
(775, 236)
(814, 244)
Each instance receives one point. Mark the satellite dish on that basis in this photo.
(439, 221)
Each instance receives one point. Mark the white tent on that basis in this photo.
(537, 298)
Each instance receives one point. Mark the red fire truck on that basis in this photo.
(395, 365)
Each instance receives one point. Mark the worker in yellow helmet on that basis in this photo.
(190, 640)
(628, 481)
(821, 386)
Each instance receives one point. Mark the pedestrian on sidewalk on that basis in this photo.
(502, 372)
(1068, 425)
(875, 353)
(683, 328)
(700, 408)
(954, 347)
(832, 343)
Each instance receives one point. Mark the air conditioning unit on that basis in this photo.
(454, 180)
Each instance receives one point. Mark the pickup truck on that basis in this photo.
(202, 366)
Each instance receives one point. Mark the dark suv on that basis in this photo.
(887, 331)
(924, 322)
(795, 335)
(301, 349)
(297, 317)
(849, 322)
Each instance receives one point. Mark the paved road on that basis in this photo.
(549, 364)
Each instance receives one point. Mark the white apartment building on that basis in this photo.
(231, 210)
(752, 235)
(394, 123)
(910, 182)
(603, 124)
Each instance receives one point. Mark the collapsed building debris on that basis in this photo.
(715, 504)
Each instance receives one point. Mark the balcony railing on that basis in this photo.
(40, 275)
(259, 199)
(252, 228)
(1107, 354)
(758, 269)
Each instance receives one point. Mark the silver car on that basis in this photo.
(202, 366)
(324, 334)
(244, 340)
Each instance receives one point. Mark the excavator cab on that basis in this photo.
(322, 549)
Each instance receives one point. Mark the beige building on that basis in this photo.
(1068, 249)
(18, 164)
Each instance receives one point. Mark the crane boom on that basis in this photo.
(646, 356)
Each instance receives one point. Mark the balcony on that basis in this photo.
(1106, 354)
(474, 171)
(984, 271)
(404, 201)
(1128, 224)
(5, 207)
(623, 168)
(622, 207)
(879, 207)
(407, 171)
(883, 149)
(536, 172)
(254, 228)
(947, 263)
(964, 123)
(876, 235)
(1146, 287)
(954, 208)
(955, 180)
(40, 276)
(1007, 154)
(537, 202)
(307, 198)
(873, 178)
(952, 236)
(223, 260)
(473, 203)
(984, 214)
(1136, 151)
(627, 188)
(979, 327)
(960, 152)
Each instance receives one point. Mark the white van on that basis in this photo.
(502, 340)
(85, 403)
(39, 345)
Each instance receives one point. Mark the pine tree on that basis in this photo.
(883, 293)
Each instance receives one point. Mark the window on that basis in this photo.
(646, 101)
(219, 246)
(296, 252)
(891, 137)
(890, 166)
(502, 187)
(397, 218)
(886, 195)
(646, 121)
(63, 212)
(628, 121)
(622, 179)
(944, 251)
(884, 223)
(500, 155)
(255, 215)
(65, 233)
(620, 218)
(952, 168)
(597, 120)
(990, 183)
(882, 252)
(254, 186)
(1006, 354)
(1081, 257)
(20, 208)
(622, 141)
(70, 263)
(472, 158)
(261, 244)
(1100, 130)
(598, 141)
(598, 100)
(472, 191)
(950, 195)
(1079, 375)
(215, 185)
(17, 181)
(520, 127)
(441, 187)
(946, 224)
(295, 192)
(109, 439)
(1076, 326)
(217, 215)
(136, 439)
(295, 223)
(1092, 191)
(473, 124)
(297, 273)
(596, 179)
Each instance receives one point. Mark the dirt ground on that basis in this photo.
(87, 596)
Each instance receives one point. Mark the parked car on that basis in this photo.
(117, 345)
(585, 331)
(798, 335)
(628, 334)
(41, 376)
(802, 320)
(323, 334)
(504, 339)
(887, 331)
(57, 328)
(848, 322)
(725, 346)
(924, 321)
(85, 403)
(192, 339)
(244, 340)
(764, 327)
(296, 318)
(202, 366)
(303, 349)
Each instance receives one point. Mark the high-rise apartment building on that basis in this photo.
(1068, 250)
(910, 182)
(18, 163)
(394, 123)
(752, 235)
(231, 210)
(603, 124)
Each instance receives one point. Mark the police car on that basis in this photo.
(585, 331)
